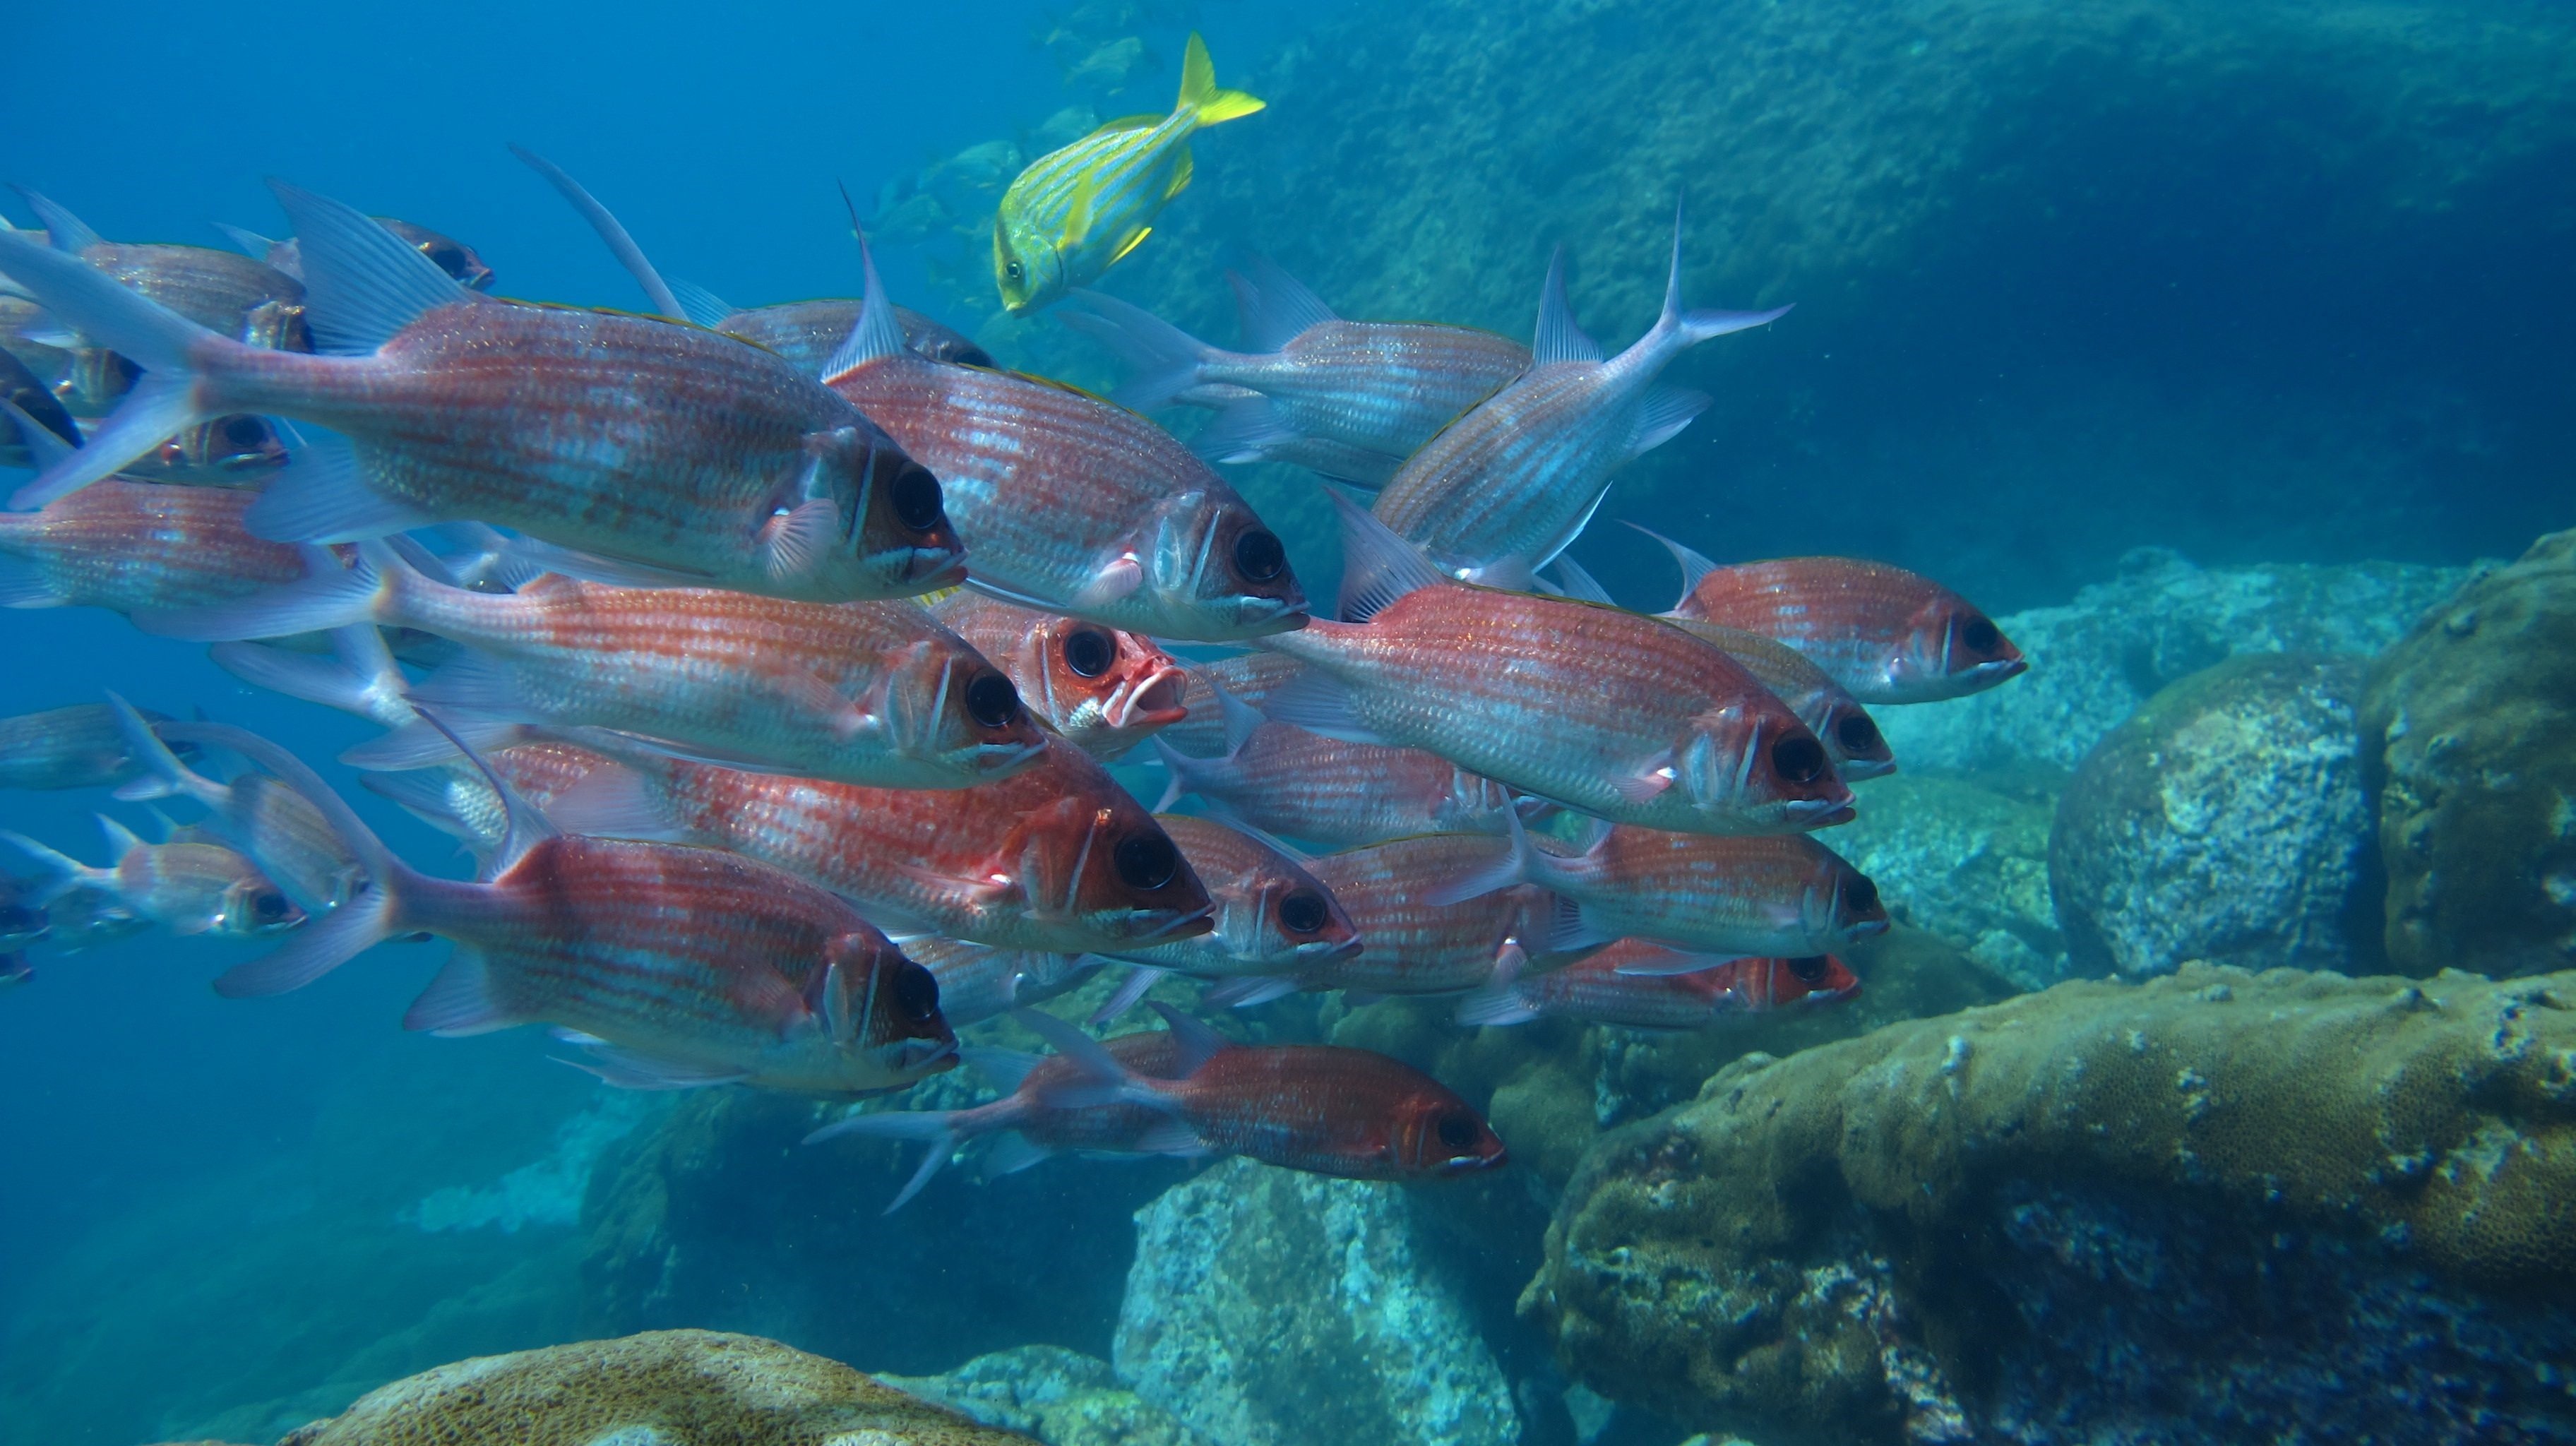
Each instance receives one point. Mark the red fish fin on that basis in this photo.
(1172, 1137)
(1194, 1041)
(1012, 1153)
(1573, 928)
(362, 283)
(1519, 864)
(792, 541)
(1643, 787)
(461, 1000)
(1114, 581)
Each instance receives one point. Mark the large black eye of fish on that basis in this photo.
(450, 258)
(1799, 759)
(1011, 270)
(1258, 556)
(243, 433)
(1146, 860)
(915, 992)
(1089, 652)
(917, 501)
(1809, 969)
(1857, 732)
(269, 907)
(1860, 893)
(1979, 635)
(1303, 912)
(991, 700)
(1457, 1130)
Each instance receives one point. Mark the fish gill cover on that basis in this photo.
(2028, 894)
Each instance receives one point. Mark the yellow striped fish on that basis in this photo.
(1077, 211)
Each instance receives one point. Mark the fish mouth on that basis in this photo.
(935, 567)
(1856, 769)
(1177, 925)
(1818, 812)
(1152, 701)
(1469, 1164)
(1989, 674)
(925, 1056)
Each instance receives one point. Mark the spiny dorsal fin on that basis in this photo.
(362, 283)
(63, 230)
(1558, 339)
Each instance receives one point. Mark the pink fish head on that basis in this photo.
(1103, 680)
(1093, 859)
(1754, 766)
(894, 515)
(1437, 1133)
(898, 1021)
(1214, 561)
(1951, 650)
(1271, 914)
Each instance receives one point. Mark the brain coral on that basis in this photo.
(2199, 1208)
(664, 1388)
(2475, 717)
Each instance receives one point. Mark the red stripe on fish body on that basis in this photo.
(808, 333)
(1106, 1129)
(1593, 989)
(1330, 1110)
(1783, 895)
(1285, 780)
(202, 888)
(636, 438)
(1618, 715)
(1080, 506)
(1888, 635)
(1105, 689)
(1026, 862)
(1410, 945)
(691, 955)
(978, 981)
(1384, 386)
(876, 693)
(140, 546)
(1272, 916)
(1250, 677)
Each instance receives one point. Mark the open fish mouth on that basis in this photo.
(1176, 925)
(1150, 701)
(935, 567)
(1468, 1164)
(924, 1056)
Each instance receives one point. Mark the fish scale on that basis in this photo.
(1780, 895)
(1594, 990)
(137, 546)
(1252, 883)
(1378, 384)
(1135, 692)
(1409, 944)
(1285, 780)
(1330, 1111)
(1888, 635)
(924, 859)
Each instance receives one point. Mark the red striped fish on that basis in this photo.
(1105, 689)
(1606, 988)
(81, 746)
(1888, 635)
(667, 447)
(672, 966)
(1273, 916)
(876, 693)
(1056, 858)
(187, 887)
(1070, 504)
(1617, 715)
(141, 546)
(1249, 677)
(1410, 941)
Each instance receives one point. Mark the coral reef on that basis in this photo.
(2225, 821)
(680, 1388)
(722, 1219)
(1061, 1397)
(2197, 1209)
(2094, 660)
(1966, 862)
(2471, 722)
(1269, 1308)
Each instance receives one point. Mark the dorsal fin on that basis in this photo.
(63, 230)
(1377, 566)
(1693, 566)
(524, 826)
(877, 333)
(700, 305)
(362, 283)
(1272, 307)
(620, 244)
(1194, 1041)
(120, 839)
(1558, 339)
(1579, 584)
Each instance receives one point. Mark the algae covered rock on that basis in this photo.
(1965, 862)
(2162, 619)
(1270, 1308)
(666, 1388)
(1062, 1397)
(2224, 821)
(2473, 717)
(2196, 1209)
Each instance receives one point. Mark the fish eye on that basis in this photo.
(1457, 1129)
(1860, 893)
(1979, 635)
(1011, 270)
(1302, 912)
(449, 256)
(915, 992)
(269, 906)
(991, 700)
(1089, 652)
(973, 356)
(1146, 860)
(1798, 758)
(243, 432)
(1857, 732)
(1258, 555)
(918, 503)
(1810, 969)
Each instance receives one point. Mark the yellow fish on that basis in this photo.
(1077, 211)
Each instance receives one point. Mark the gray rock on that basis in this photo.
(1062, 1397)
(2094, 660)
(1964, 862)
(1269, 1308)
(2225, 821)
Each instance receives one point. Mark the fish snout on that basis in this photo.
(1153, 701)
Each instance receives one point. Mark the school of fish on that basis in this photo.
(771, 663)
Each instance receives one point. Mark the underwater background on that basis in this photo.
(2249, 317)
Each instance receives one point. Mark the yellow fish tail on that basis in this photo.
(1199, 91)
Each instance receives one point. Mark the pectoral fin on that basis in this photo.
(1130, 244)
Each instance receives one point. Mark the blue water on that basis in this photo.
(2174, 327)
